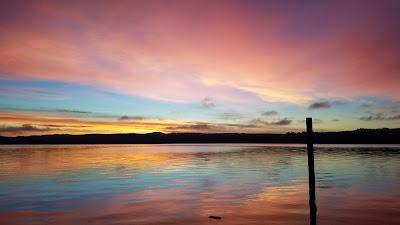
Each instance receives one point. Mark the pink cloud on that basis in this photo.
(184, 51)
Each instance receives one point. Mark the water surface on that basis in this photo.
(185, 184)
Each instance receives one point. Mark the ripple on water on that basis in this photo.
(185, 184)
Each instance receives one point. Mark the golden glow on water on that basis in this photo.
(184, 184)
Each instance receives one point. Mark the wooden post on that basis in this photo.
(311, 172)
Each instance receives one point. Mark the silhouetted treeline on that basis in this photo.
(360, 136)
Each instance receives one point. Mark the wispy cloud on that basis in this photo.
(207, 103)
(380, 110)
(231, 116)
(4, 130)
(125, 118)
(191, 127)
(31, 93)
(269, 113)
(319, 105)
(72, 111)
(366, 105)
(284, 121)
(380, 116)
(381, 106)
(281, 122)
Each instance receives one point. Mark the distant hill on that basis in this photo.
(360, 136)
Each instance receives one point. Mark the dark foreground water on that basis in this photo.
(185, 184)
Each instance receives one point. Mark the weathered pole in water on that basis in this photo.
(311, 172)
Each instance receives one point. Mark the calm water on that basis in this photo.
(184, 184)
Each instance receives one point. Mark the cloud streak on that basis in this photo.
(319, 105)
(127, 118)
(380, 117)
(72, 111)
(22, 129)
(269, 113)
(192, 127)
(281, 122)
(231, 116)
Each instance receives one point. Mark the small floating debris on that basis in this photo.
(215, 217)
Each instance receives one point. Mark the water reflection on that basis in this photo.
(184, 184)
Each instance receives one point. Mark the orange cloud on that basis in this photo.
(55, 124)
(23, 124)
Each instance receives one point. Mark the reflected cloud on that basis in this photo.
(185, 184)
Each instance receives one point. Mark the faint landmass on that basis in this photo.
(359, 136)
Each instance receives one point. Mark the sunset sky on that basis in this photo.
(198, 66)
